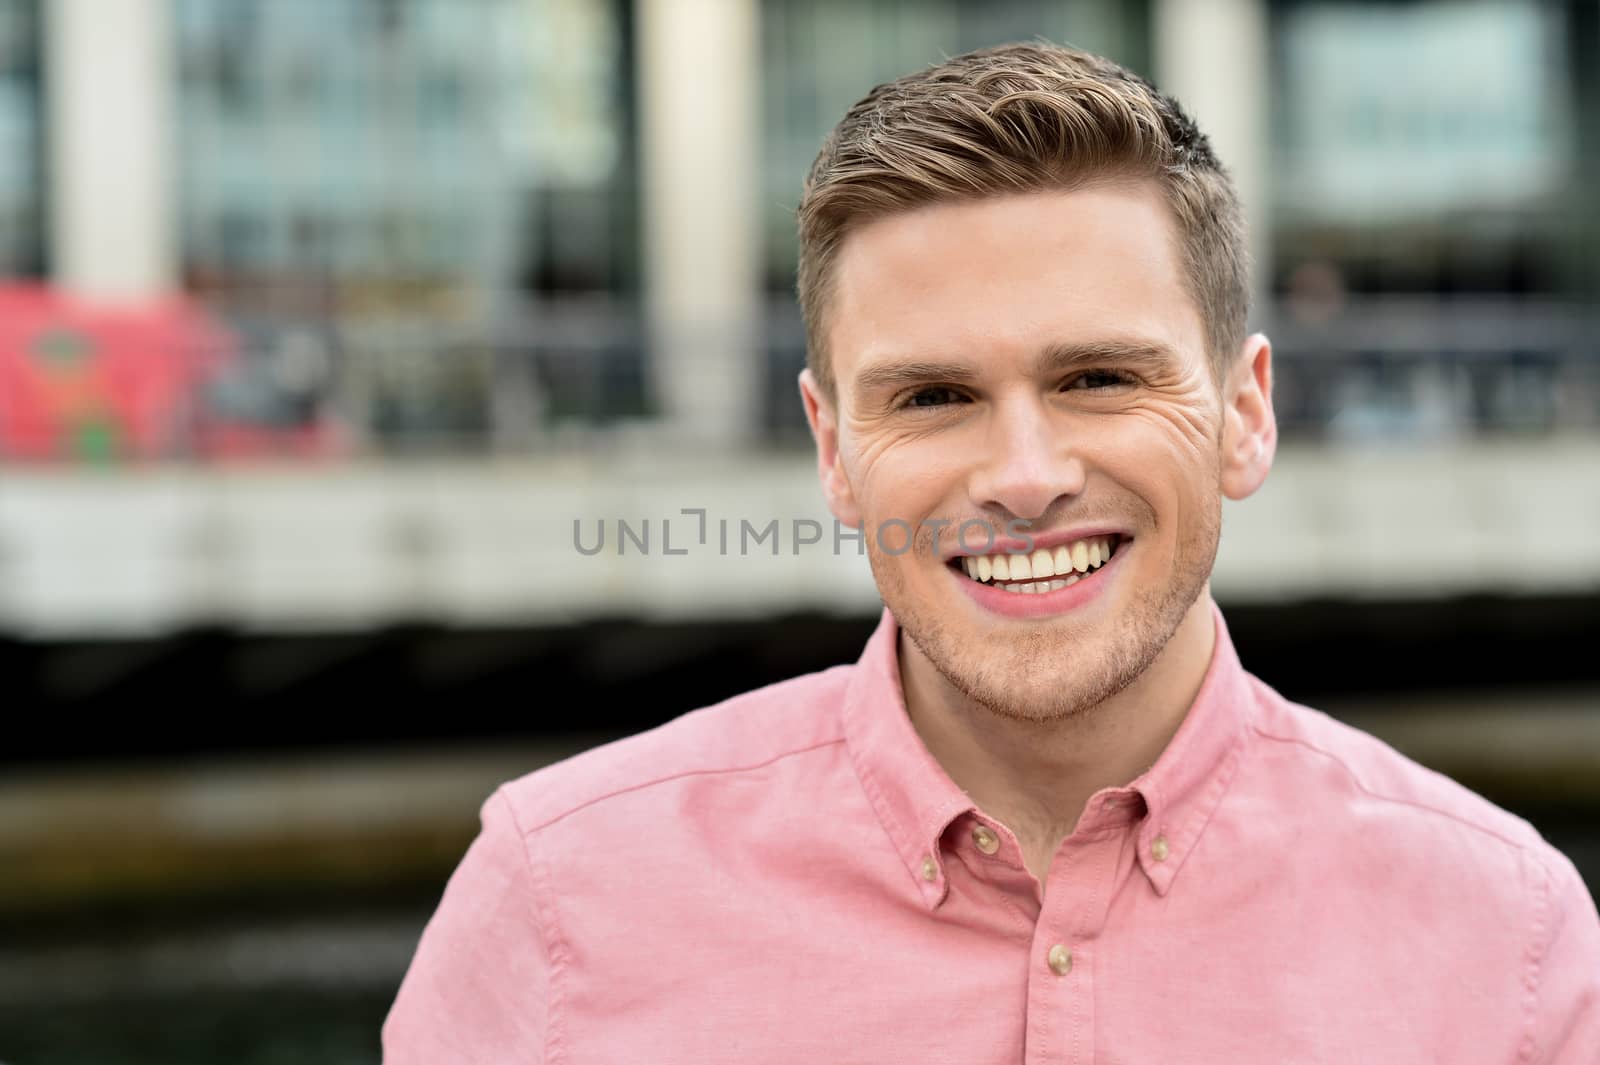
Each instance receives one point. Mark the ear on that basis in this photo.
(1250, 430)
(822, 417)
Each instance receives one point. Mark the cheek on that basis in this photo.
(1149, 442)
(1166, 457)
(1179, 436)
(1190, 427)
(908, 479)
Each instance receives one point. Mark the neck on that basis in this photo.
(1036, 777)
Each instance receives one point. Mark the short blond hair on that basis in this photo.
(1021, 118)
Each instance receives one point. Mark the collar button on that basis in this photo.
(985, 840)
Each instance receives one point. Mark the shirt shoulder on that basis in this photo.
(1414, 795)
(746, 732)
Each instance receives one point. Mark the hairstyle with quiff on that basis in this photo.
(1012, 119)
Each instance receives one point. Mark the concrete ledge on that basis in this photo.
(150, 552)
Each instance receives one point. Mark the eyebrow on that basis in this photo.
(895, 375)
(1147, 355)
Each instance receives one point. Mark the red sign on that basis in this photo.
(86, 382)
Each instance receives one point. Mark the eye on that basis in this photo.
(1097, 381)
(933, 396)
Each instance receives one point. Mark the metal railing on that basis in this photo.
(559, 376)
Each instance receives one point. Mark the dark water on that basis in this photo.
(225, 1028)
(247, 990)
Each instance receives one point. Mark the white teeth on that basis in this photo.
(1043, 566)
(1071, 580)
(1012, 587)
(1056, 586)
(1067, 560)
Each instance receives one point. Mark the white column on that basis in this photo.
(699, 95)
(112, 230)
(1212, 55)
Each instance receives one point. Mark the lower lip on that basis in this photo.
(1042, 604)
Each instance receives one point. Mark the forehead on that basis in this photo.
(991, 278)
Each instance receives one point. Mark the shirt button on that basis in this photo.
(1060, 959)
(1159, 849)
(985, 839)
(929, 870)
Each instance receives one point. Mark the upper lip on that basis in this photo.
(1010, 545)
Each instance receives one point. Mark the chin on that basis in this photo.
(1043, 675)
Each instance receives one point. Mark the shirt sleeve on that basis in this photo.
(1566, 1016)
(477, 988)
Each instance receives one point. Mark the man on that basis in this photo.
(1047, 816)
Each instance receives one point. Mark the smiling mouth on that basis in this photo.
(1044, 570)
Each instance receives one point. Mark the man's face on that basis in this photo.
(1036, 359)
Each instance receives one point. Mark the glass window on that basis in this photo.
(22, 163)
(380, 141)
(423, 179)
(1433, 242)
(1424, 147)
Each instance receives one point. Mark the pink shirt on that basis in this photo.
(789, 877)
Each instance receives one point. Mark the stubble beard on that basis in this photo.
(1038, 676)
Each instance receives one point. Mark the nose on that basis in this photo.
(1028, 462)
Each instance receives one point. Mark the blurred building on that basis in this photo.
(467, 270)
(468, 225)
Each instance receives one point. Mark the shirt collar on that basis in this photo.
(916, 800)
